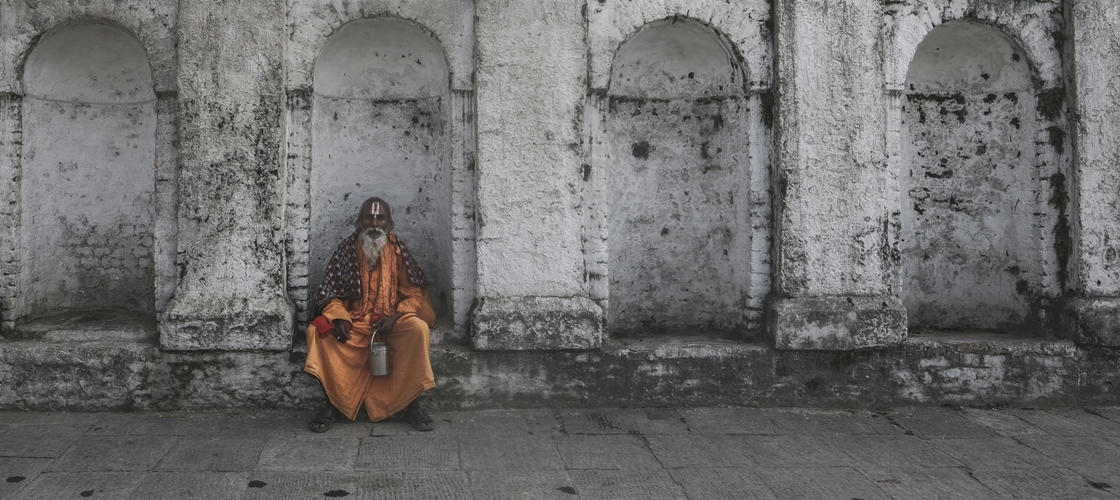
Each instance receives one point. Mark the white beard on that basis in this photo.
(373, 242)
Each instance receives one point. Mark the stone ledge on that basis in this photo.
(227, 325)
(839, 323)
(1094, 321)
(86, 376)
(536, 323)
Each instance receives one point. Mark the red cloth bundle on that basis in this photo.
(322, 325)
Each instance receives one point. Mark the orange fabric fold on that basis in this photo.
(343, 369)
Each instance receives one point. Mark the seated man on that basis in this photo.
(371, 285)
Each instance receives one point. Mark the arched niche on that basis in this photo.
(379, 127)
(88, 173)
(971, 246)
(677, 183)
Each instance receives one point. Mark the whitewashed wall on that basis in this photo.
(25, 27)
(970, 249)
(379, 128)
(679, 118)
(87, 192)
(984, 162)
(364, 121)
(677, 175)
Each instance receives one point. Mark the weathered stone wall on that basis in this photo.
(583, 212)
(153, 25)
(91, 377)
(593, 120)
(88, 173)
(1095, 268)
(983, 158)
(531, 85)
(973, 187)
(231, 291)
(424, 168)
(837, 211)
(677, 218)
(677, 151)
(379, 126)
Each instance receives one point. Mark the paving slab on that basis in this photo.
(434, 485)
(408, 453)
(190, 486)
(883, 425)
(304, 485)
(1076, 451)
(939, 423)
(1070, 422)
(214, 454)
(646, 484)
(701, 451)
(266, 423)
(889, 451)
(39, 441)
(342, 428)
(1103, 477)
(522, 485)
(96, 485)
(624, 421)
(823, 483)
(1041, 484)
(17, 473)
(292, 454)
(428, 485)
(1003, 422)
(130, 424)
(398, 427)
(114, 454)
(993, 453)
(794, 451)
(183, 424)
(609, 452)
(730, 420)
(1109, 412)
(505, 422)
(72, 419)
(495, 451)
(722, 483)
(822, 423)
(933, 483)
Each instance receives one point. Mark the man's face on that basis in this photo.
(375, 214)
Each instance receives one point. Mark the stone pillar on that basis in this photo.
(11, 148)
(837, 254)
(1094, 313)
(531, 81)
(231, 292)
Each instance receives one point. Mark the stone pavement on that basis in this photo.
(651, 453)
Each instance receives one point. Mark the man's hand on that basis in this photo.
(386, 324)
(341, 330)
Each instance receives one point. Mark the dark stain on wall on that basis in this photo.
(1057, 138)
(1050, 103)
(640, 150)
(1063, 241)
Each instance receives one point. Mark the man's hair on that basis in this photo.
(388, 214)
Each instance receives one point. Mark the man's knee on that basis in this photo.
(412, 325)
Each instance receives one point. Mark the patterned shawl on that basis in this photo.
(342, 279)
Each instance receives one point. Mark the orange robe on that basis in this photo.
(343, 369)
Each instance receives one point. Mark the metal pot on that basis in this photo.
(379, 358)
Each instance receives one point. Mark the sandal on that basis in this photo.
(419, 419)
(323, 420)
